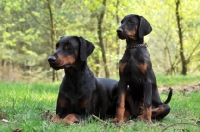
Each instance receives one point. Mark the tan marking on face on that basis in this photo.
(132, 33)
(122, 66)
(143, 67)
(63, 60)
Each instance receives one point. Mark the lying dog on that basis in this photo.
(80, 94)
(136, 74)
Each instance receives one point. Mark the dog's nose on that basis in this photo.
(119, 30)
(52, 59)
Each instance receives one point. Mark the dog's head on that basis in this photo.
(133, 27)
(70, 49)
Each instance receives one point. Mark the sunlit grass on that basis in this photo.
(168, 80)
(25, 105)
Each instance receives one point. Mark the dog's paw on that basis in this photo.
(144, 118)
(69, 119)
(55, 118)
(117, 120)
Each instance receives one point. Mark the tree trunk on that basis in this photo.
(53, 34)
(97, 61)
(180, 33)
(99, 31)
(117, 21)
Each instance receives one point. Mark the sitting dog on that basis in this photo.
(137, 84)
(80, 93)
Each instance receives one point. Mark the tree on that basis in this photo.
(99, 31)
(180, 34)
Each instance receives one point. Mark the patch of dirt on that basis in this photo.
(2, 116)
(17, 130)
(46, 115)
(182, 88)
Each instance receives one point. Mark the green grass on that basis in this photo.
(168, 80)
(26, 106)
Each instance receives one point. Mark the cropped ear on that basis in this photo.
(86, 48)
(144, 27)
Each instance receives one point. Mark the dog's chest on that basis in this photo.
(78, 95)
(133, 66)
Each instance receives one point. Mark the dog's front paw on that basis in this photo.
(144, 118)
(117, 120)
(55, 118)
(70, 118)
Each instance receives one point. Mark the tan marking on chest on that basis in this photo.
(62, 102)
(143, 67)
(84, 103)
(122, 66)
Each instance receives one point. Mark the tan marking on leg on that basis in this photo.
(120, 110)
(157, 111)
(126, 115)
(146, 115)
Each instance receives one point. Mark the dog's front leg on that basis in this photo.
(119, 116)
(147, 107)
(61, 108)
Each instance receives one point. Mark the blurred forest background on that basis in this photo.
(29, 30)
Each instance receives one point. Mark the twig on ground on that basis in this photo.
(97, 118)
(178, 124)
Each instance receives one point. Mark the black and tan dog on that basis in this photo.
(80, 94)
(137, 83)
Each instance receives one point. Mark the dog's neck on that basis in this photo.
(78, 71)
(134, 42)
(77, 68)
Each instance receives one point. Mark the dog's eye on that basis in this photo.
(67, 46)
(131, 21)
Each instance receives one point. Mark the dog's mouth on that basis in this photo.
(126, 34)
(57, 67)
(130, 36)
(121, 35)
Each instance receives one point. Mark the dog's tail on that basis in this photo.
(169, 96)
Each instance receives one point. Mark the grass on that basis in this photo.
(168, 80)
(28, 106)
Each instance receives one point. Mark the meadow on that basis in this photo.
(29, 106)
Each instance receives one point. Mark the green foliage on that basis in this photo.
(26, 30)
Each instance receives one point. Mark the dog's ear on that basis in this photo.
(144, 27)
(86, 48)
